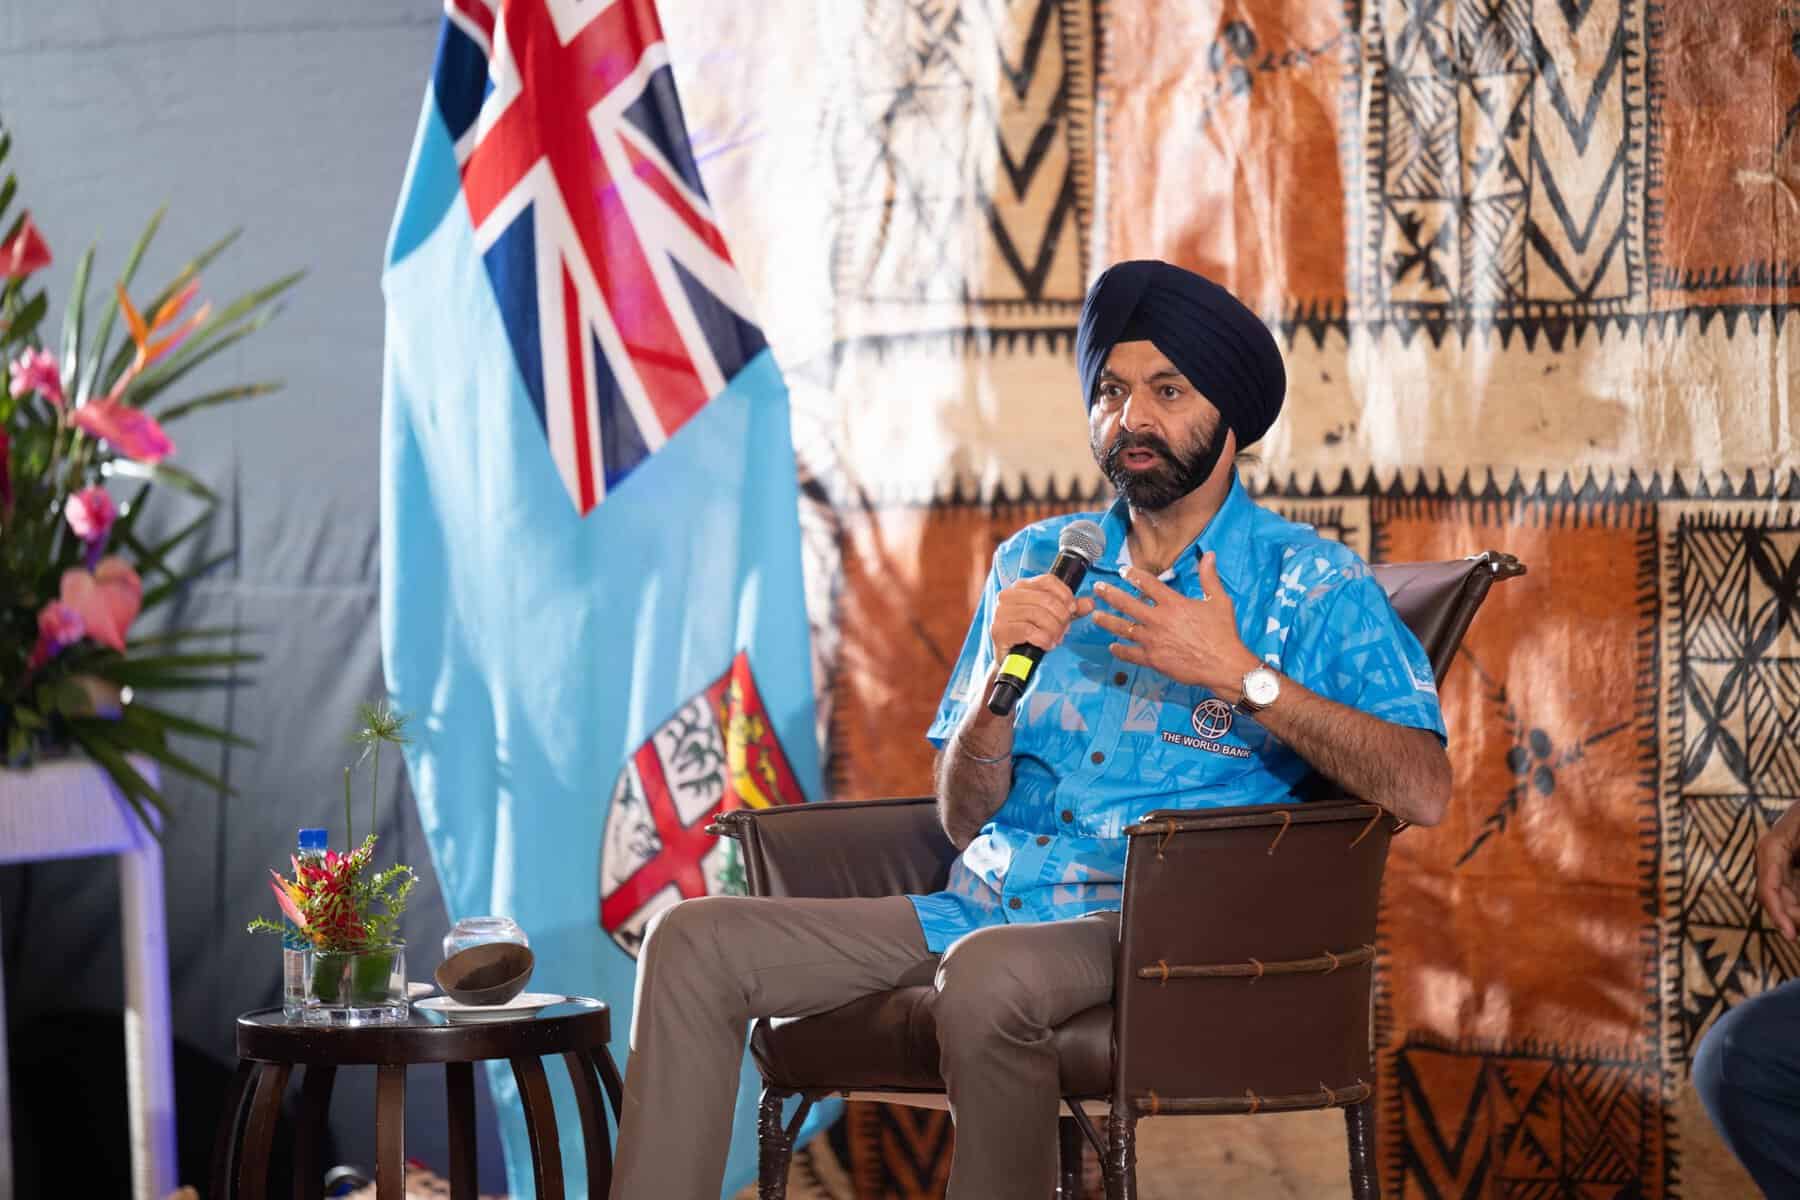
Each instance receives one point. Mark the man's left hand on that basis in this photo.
(1191, 641)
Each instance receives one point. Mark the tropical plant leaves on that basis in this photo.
(45, 703)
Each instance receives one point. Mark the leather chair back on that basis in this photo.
(1290, 895)
(1251, 890)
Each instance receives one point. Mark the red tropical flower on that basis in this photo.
(25, 253)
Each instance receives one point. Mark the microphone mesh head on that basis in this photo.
(1084, 538)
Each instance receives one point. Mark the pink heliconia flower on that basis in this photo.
(108, 599)
(60, 625)
(129, 431)
(36, 371)
(289, 909)
(25, 253)
(91, 513)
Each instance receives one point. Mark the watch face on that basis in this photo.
(1261, 687)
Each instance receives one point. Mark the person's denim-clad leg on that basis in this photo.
(1747, 1072)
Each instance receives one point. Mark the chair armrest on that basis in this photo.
(855, 848)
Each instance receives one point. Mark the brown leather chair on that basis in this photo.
(1263, 1006)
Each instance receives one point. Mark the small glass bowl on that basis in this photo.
(478, 931)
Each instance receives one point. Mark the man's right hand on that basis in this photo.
(1037, 610)
(1777, 886)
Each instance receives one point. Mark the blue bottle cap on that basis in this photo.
(313, 839)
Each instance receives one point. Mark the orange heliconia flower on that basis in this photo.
(150, 346)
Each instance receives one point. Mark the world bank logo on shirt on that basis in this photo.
(1212, 718)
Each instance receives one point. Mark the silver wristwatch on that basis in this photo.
(1260, 686)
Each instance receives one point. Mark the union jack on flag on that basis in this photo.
(593, 680)
(624, 311)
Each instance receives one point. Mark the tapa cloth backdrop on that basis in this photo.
(1533, 265)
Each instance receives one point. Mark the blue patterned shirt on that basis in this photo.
(1097, 741)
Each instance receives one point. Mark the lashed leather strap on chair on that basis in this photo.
(1280, 970)
(1323, 963)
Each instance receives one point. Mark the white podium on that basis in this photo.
(69, 809)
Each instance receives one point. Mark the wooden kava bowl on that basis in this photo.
(491, 973)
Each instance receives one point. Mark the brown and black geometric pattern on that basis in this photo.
(1342, 519)
(964, 168)
(1522, 1123)
(1731, 757)
(1705, 576)
(899, 1152)
(1505, 160)
(1521, 161)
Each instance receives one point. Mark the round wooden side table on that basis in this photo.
(270, 1047)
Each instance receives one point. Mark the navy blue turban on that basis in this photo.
(1220, 345)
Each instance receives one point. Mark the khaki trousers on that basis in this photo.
(710, 966)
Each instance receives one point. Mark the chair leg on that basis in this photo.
(1120, 1166)
(1068, 1186)
(1359, 1127)
(774, 1146)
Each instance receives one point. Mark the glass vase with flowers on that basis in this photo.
(345, 911)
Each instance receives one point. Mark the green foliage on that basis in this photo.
(390, 889)
(344, 905)
(340, 903)
(380, 724)
(88, 696)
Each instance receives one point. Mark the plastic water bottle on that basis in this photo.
(294, 945)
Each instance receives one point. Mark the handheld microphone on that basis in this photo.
(1080, 544)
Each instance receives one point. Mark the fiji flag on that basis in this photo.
(591, 588)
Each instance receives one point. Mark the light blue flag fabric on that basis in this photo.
(591, 577)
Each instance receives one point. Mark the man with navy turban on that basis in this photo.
(1215, 654)
(1226, 357)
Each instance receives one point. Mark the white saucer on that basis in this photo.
(522, 1005)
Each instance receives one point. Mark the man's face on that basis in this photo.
(1152, 432)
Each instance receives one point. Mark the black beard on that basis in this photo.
(1160, 486)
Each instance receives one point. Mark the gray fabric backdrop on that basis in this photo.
(293, 121)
